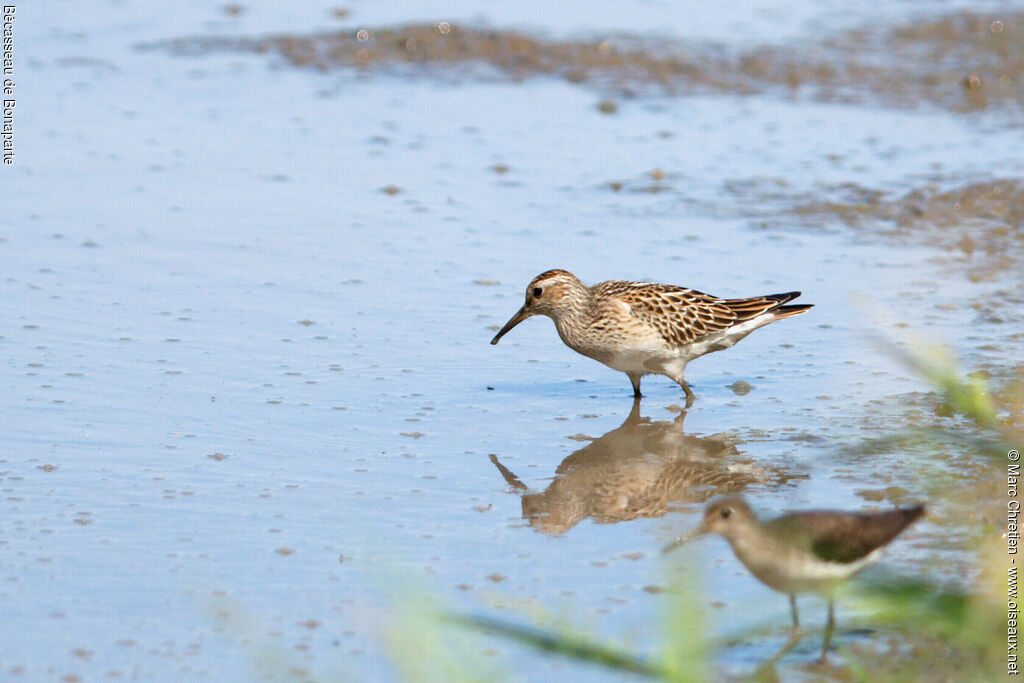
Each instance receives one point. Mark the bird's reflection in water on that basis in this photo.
(639, 469)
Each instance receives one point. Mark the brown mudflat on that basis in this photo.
(963, 61)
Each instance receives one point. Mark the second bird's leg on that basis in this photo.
(796, 617)
(829, 626)
(790, 644)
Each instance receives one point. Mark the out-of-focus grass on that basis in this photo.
(936, 632)
(966, 395)
(563, 643)
(967, 414)
(684, 653)
(948, 631)
(426, 648)
(271, 660)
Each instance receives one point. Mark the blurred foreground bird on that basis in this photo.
(803, 552)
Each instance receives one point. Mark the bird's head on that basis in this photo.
(725, 516)
(551, 293)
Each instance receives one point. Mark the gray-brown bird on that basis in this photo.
(803, 552)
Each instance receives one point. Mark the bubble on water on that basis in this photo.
(444, 27)
(362, 35)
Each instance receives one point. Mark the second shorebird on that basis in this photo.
(641, 328)
(803, 552)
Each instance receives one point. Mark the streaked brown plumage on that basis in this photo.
(642, 328)
(803, 552)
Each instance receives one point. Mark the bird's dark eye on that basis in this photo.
(537, 292)
(725, 513)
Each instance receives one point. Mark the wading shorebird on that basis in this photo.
(803, 552)
(641, 328)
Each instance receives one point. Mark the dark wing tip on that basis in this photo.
(784, 297)
(745, 309)
(789, 311)
(849, 538)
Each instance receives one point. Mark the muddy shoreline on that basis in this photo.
(961, 62)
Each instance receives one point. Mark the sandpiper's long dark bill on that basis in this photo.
(641, 328)
(801, 552)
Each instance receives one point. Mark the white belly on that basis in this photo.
(646, 352)
(650, 361)
(790, 571)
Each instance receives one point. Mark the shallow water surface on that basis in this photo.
(250, 402)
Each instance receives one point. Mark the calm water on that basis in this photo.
(249, 398)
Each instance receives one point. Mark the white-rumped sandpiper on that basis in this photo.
(641, 328)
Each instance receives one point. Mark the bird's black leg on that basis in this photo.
(635, 379)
